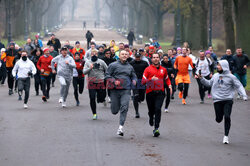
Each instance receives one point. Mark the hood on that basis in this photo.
(225, 66)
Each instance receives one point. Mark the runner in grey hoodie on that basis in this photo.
(95, 68)
(65, 64)
(120, 78)
(223, 86)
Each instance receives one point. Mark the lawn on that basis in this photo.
(248, 80)
(21, 43)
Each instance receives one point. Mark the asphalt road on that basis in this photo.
(47, 135)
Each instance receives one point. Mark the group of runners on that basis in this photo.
(116, 71)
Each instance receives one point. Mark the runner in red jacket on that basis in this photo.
(156, 78)
(44, 65)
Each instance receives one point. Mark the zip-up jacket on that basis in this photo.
(22, 68)
(44, 63)
(10, 56)
(63, 69)
(155, 85)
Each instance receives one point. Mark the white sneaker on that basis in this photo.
(25, 106)
(166, 110)
(109, 100)
(120, 131)
(60, 100)
(225, 140)
(63, 104)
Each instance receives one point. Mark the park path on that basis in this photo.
(73, 32)
(47, 135)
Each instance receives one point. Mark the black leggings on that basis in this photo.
(224, 108)
(78, 84)
(185, 90)
(37, 81)
(154, 102)
(202, 88)
(167, 97)
(53, 78)
(46, 85)
(10, 78)
(138, 96)
(99, 91)
(3, 73)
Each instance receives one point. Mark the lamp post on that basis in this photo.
(155, 23)
(178, 34)
(26, 20)
(9, 23)
(210, 22)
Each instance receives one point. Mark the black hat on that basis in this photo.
(137, 55)
(12, 44)
(141, 50)
(64, 48)
(100, 46)
(77, 42)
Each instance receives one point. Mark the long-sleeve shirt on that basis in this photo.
(224, 84)
(44, 63)
(123, 72)
(22, 68)
(97, 73)
(182, 63)
(63, 69)
(155, 85)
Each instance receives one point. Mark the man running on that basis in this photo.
(24, 69)
(11, 53)
(78, 77)
(120, 77)
(204, 67)
(95, 68)
(65, 64)
(54, 42)
(223, 86)
(44, 66)
(182, 79)
(155, 76)
(139, 92)
(78, 49)
(89, 35)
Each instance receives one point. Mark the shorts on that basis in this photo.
(182, 79)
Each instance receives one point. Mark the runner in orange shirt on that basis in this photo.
(182, 79)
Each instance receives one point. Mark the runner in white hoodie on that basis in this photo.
(24, 69)
(223, 86)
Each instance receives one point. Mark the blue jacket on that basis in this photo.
(40, 43)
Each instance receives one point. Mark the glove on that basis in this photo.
(30, 74)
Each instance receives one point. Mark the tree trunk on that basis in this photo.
(203, 20)
(242, 11)
(229, 24)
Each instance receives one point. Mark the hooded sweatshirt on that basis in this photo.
(63, 69)
(97, 73)
(224, 84)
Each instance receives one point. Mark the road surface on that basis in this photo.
(47, 135)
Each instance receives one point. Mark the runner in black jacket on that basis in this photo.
(139, 93)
